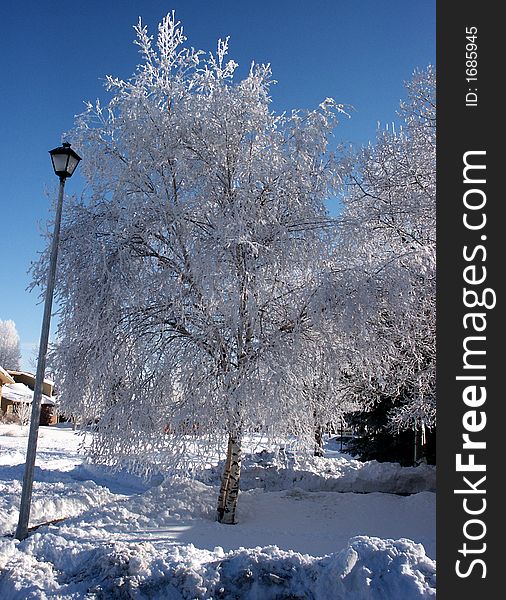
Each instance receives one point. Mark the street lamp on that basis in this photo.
(65, 161)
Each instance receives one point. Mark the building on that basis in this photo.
(17, 394)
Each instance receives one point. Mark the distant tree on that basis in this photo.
(10, 353)
(23, 410)
(187, 274)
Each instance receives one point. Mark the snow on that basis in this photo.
(19, 392)
(303, 537)
(336, 472)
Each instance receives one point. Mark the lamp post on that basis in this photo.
(65, 161)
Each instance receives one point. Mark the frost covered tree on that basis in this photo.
(10, 352)
(23, 411)
(188, 270)
(386, 263)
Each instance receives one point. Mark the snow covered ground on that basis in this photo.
(302, 532)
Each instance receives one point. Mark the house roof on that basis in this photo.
(46, 379)
(5, 377)
(19, 392)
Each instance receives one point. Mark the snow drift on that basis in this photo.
(367, 569)
(273, 471)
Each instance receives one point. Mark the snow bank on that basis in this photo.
(280, 471)
(56, 497)
(367, 569)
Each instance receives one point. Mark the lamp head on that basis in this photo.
(65, 160)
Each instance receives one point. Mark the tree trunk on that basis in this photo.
(318, 440)
(224, 482)
(416, 456)
(229, 491)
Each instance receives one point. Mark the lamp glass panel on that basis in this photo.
(72, 164)
(59, 162)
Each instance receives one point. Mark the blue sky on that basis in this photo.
(55, 56)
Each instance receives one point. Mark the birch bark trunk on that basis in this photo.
(229, 490)
(232, 494)
(224, 482)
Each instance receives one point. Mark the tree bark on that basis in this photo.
(318, 439)
(229, 492)
(224, 482)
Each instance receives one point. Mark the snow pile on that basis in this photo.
(159, 507)
(58, 490)
(55, 496)
(274, 471)
(367, 569)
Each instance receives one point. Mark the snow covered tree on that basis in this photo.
(10, 353)
(187, 271)
(386, 262)
(23, 411)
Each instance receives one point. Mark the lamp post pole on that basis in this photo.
(26, 493)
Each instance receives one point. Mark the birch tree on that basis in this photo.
(188, 269)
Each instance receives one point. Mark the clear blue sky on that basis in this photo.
(56, 54)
